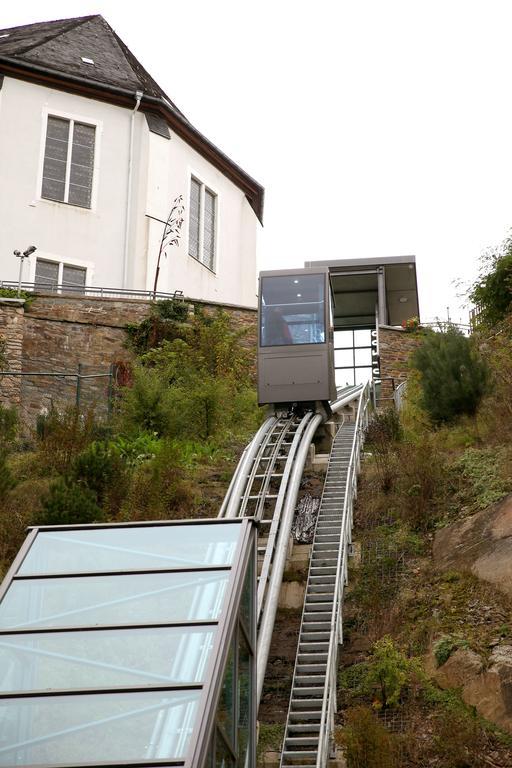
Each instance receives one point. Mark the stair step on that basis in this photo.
(319, 597)
(313, 609)
(295, 764)
(302, 741)
(321, 582)
(315, 644)
(291, 753)
(319, 590)
(304, 715)
(313, 672)
(312, 691)
(312, 658)
(310, 679)
(315, 623)
(306, 705)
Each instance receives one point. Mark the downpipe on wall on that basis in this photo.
(138, 99)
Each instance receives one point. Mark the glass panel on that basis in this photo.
(193, 221)
(136, 549)
(47, 273)
(97, 600)
(343, 339)
(71, 730)
(104, 658)
(363, 375)
(345, 377)
(55, 159)
(363, 338)
(247, 602)
(73, 276)
(226, 708)
(223, 757)
(209, 229)
(53, 190)
(244, 698)
(292, 310)
(82, 164)
(363, 357)
(343, 357)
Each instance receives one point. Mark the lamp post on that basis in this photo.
(22, 256)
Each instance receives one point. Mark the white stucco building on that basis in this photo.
(92, 156)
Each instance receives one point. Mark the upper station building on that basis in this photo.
(370, 297)
(92, 155)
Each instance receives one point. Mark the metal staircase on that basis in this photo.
(310, 723)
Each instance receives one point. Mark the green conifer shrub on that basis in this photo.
(8, 425)
(453, 375)
(67, 504)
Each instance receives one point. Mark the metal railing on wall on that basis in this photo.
(63, 289)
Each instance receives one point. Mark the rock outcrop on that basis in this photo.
(481, 544)
(488, 689)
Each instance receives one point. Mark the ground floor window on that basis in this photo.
(57, 275)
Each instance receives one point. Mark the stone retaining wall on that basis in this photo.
(11, 346)
(395, 348)
(59, 333)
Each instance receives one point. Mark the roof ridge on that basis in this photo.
(131, 59)
(76, 22)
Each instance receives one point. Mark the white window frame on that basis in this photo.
(62, 262)
(72, 118)
(193, 176)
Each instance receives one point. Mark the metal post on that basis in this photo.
(383, 309)
(110, 389)
(78, 385)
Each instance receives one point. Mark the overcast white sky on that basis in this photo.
(377, 127)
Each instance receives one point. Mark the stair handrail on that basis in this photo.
(336, 634)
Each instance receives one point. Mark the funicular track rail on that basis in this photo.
(265, 486)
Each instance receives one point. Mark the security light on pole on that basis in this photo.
(22, 256)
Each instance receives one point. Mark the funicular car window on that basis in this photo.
(292, 310)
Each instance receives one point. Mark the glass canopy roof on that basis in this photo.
(107, 640)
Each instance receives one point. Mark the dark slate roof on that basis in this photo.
(52, 51)
(60, 46)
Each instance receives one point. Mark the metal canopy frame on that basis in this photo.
(206, 691)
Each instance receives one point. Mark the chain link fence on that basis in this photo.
(87, 388)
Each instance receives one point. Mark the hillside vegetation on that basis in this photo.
(448, 456)
(186, 409)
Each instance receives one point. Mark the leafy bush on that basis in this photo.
(145, 406)
(495, 413)
(445, 646)
(383, 429)
(159, 488)
(420, 484)
(164, 323)
(388, 673)
(62, 436)
(8, 425)
(7, 481)
(12, 293)
(453, 375)
(67, 504)
(194, 386)
(481, 476)
(135, 450)
(492, 292)
(367, 743)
